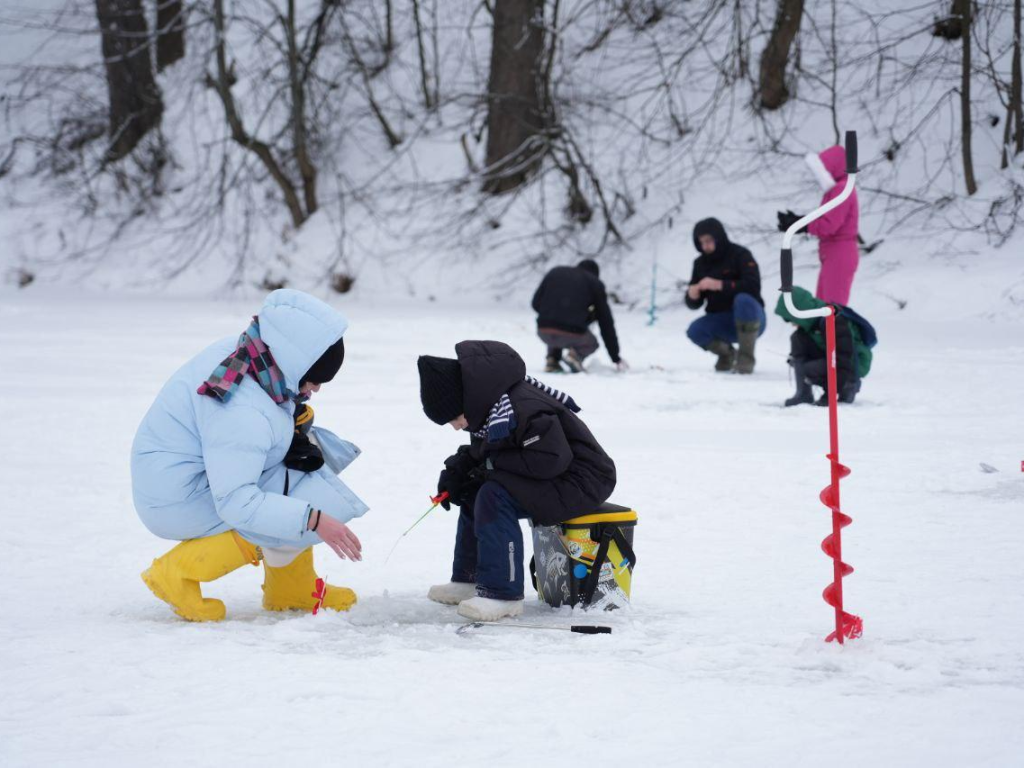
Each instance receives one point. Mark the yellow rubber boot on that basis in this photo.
(291, 587)
(175, 577)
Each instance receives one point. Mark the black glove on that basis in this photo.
(457, 478)
(787, 218)
(302, 454)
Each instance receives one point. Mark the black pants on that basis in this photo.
(812, 361)
(489, 544)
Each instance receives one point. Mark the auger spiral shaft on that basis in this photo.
(847, 625)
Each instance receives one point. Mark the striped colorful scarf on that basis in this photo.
(253, 358)
(502, 418)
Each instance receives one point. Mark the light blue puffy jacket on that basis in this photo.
(201, 467)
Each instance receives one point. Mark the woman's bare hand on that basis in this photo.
(339, 537)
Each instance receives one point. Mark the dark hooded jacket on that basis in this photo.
(570, 299)
(551, 463)
(733, 264)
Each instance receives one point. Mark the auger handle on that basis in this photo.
(786, 259)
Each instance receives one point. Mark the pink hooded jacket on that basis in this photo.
(837, 234)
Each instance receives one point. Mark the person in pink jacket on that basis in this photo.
(836, 230)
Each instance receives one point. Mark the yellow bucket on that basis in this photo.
(587, 560)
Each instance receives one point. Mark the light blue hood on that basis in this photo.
(201, 466)
(298, 328)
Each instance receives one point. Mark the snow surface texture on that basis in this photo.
(720, 661)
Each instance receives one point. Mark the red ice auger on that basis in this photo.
(847, 625)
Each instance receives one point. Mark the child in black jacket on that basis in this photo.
(530, 455)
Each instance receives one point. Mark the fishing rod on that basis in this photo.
(435, 501)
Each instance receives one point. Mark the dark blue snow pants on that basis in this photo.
(489, 544)
(722, 325)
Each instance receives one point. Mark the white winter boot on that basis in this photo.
(485, 609)
(452, 593)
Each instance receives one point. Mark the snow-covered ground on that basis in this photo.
(719, 662)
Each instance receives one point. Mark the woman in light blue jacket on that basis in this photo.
(220, 464)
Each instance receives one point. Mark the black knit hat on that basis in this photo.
(590, 266)
(440, 388)
(327, 366)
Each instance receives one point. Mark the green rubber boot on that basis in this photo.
(747, 335)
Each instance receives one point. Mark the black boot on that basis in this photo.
(726, 354)
(849, 391)
(804, 393)
(553, 363)
(574, 361)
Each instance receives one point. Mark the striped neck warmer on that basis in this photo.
(253, 358)
(502, 418)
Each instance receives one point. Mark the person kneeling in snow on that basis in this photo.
(227, 463)
(567, 301)
(726, 276)
(854, 339)
(530, 455)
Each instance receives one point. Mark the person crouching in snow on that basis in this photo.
(854, 339)
(567, 301)
(726, 276)
(223, 462)
(529, 455)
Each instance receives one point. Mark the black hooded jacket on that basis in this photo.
(733, 264)
(570, 299)
(551, 463)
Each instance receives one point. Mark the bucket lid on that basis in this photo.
(624, 516)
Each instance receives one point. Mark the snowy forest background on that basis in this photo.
(400, 145)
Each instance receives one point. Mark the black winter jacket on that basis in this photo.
(733, 264)
(551, 463)
(570, 299)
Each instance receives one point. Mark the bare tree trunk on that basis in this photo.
(170, 33)
(515, 112)
(222, 85)
(834, 85)
(298, 115)
(965, 102)
(435, 48)
(428, 99)
(1012, 131)
(135, 103)
(389, 28)
(742, 63)
(772, 85)
(1016, 103)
